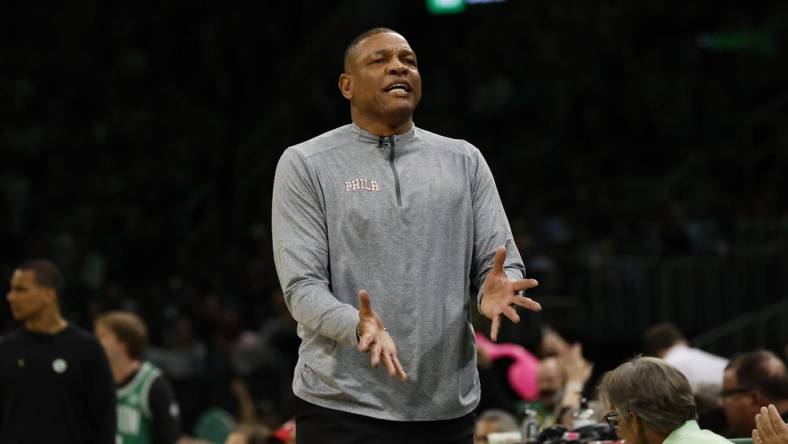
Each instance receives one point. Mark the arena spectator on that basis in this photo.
(753, 380)
(703, 370)
(652, 402)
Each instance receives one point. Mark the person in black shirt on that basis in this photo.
(55, 381)
(147, 410)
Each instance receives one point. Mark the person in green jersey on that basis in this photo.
(147, 410)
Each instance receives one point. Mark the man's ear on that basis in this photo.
(346, 85)
(50, 294)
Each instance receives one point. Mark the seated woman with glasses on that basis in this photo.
(651, 403)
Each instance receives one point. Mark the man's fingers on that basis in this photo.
(763, 423)
(511, 313)
(525, 284)
(496, 325)
(400, 371)
(755, 437)
(499, 259)
(527, 303)
(363, 344)
(393, 366)
(576, 351)
(775, 420)
(364, 304)
(389, 364)
(374, 354)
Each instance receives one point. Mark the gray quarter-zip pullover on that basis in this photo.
(414, 219)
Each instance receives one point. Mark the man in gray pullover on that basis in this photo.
(380, 209)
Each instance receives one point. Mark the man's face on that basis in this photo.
(382, 78)
(109, 341)
(740, 405)
(26, 298)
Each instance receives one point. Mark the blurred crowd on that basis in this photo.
(727, 397)
(138, 147)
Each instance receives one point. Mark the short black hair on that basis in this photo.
(761, 370)
(359, 38)
(45, 274)
(660, 337)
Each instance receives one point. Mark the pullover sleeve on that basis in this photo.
(4, 357)
(491, 228)
(100, 408)
(165, 412)
(300, 242)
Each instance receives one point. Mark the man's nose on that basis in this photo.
(396, 67)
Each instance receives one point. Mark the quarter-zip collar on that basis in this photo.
(388, 143)
(366, 136)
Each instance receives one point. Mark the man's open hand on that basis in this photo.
(501, 294)
(375, 339)
(770, 428)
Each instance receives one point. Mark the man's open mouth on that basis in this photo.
(398, 86)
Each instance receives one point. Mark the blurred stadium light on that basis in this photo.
(441, 7)
(759, 41)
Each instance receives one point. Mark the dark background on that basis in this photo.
(640, 149)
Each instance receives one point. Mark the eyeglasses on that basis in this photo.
(611, 418)
(727, 393)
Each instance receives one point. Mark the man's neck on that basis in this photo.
(122, 368)
(382, 128)
(49, 322)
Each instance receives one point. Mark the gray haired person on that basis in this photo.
(651, 402)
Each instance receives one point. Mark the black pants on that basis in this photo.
(319, 425)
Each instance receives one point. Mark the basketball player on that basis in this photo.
(147, 410)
